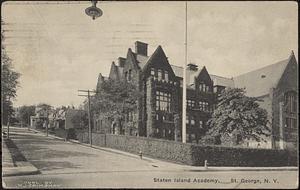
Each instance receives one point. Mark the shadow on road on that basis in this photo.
(39, 150)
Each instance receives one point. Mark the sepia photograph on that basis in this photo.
(149, 94)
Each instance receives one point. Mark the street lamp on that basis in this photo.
(93, 11)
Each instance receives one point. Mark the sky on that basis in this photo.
(58, 49)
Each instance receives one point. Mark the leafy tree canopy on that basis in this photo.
(237, 114)
(79, 119)
(115, 97)
(9, 82)
(24, 114)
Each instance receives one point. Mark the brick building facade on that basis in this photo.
(159, 110)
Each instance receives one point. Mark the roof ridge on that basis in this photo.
(279, 62)
(176, 66)
(221, 76)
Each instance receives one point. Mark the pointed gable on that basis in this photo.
(131, 59)
(260, 81)
(289, 78)
(100, 81)
(159, 60)
(115, 72)
(203, 76)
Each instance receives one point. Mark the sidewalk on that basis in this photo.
(11, 167)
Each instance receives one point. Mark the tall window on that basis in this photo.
(290, 102)
(290, 122)
(163, 101)
(192, 120)
(159, 74)
(206, 108)
(152, 72)
(129, 116)
(126, 75)
(166, 76)
(201, 87)
(200, 124)
(206, 88)
(187, 121)
(129, 75)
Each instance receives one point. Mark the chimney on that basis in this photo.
(121, 61)
(141, 48)
(192, 67)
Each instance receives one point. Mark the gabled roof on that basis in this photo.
(222, 81)
(177, 70)
(158, 57)
(260, 81)
(131, 56)
(116, 72)
(141, 60)
(100, 80)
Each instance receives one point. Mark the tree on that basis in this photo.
(115, 98)
(43, 109)
(238, 115)
(24, 114)
(9, 83)
(79, 119)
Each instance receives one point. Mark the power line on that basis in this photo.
(47, 2)
(63, 2)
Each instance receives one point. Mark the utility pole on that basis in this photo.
(8, 123)
(184, 82)
(89, 111)
(29, 121)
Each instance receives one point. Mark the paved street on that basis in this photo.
(66, 164)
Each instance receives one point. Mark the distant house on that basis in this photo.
(64, 118)
(39, 119)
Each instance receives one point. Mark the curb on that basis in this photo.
(18, 171)
(241, 169)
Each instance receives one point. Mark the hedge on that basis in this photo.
(193, 154)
